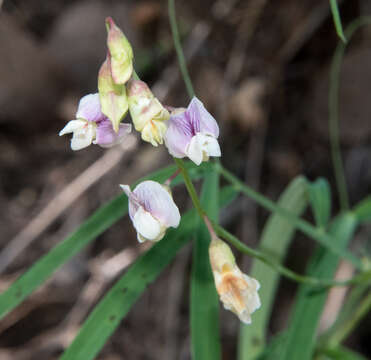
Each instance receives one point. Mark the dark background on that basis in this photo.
(260, 67)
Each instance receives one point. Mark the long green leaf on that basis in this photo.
(101, 220)
(320, 199)
(204, 299)
(309, 302)
(276, 237)
(363, 210)
(107, 315)
(337, 20)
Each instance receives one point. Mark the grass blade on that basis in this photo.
(101, 220)
(320, 199)
(363, 210)
(275, 239)
(204, 299)
(341, 353)
(309, 303)
(117, 302)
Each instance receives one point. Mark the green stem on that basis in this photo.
(308, 229)
(190, 187)
(179, 50)
(282, 269)
(343, 331)
(334, 111)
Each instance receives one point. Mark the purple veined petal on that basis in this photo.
(201, 119)
(89, 108)
(107, 137)
(178, 135)
(157, 200)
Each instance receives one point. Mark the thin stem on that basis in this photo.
(190, 187)
(318, 234)
(334, 111)
(172, 177)
(282, 269)
(343, 332)
(210, 228)
(178, 49)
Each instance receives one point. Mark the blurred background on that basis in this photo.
(261, 68)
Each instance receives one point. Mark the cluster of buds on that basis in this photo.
(187, 132)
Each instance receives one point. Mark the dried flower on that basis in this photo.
(121, 53)
(92, 126)
(237, 291)
(148, 114)
(193, 132)
(152, 210)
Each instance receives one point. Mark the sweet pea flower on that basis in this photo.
(237, 291)
(148, 115)
(152, 210)
(93, 127)
(192, 132)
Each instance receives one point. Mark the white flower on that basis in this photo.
(84, 133)
(237, 291)
(152, 210)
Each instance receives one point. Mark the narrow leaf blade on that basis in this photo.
(320, 199)
(204, 299)
(276, 237)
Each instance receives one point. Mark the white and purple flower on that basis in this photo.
(92, 126)
(152, 210)
(192, 132)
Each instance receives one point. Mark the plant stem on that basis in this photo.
(282, 269)
(179, 50)
(190, 187)
(318, 234)
(334, 110)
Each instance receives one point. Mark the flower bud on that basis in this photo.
(121, 53)
(92, 126)
(152, 210)
(192, 132)
(148, 114)
(113, 97)
(237, 291)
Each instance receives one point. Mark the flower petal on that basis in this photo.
(72, 126)
(107, 137)
(89, 108)
(83, 138)
(147, 226)
(157, 200)
(178, 135)
(201, 119)
(194, 150)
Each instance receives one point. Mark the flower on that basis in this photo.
(148, 115)
(112, 96)
(91, 126)
(237, 291)
(121, 53)
(152, 210)
(192, 132)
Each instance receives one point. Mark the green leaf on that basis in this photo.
(363, 210)
(276, 237)
(341, 353)
(204, 299)
(309, 302)
(107, 315)
(337, 20)
(320, 199)
(101, 220)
